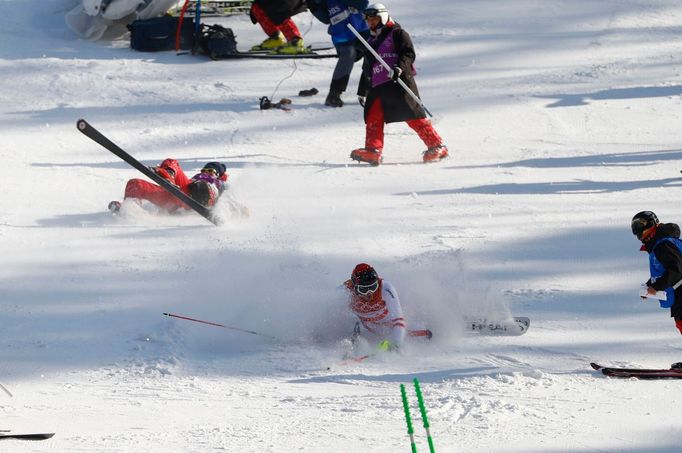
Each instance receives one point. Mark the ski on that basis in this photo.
(639, 373)
(514, 327)
(92, 133)
(214, 8)
(31, 436)
(311, 48)
(276, 56)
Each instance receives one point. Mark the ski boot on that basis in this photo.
(370, 155)
(114, 207)
(435, 153)
(333, 99)
(273, 42)
(293, 47)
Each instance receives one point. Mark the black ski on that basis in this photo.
(31, 436)
(314, 48)
(276, 56)
(97, 137)
(640, 373)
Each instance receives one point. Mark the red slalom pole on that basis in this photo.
(187, 318)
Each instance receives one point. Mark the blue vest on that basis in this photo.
(656, 269)
(339, 16)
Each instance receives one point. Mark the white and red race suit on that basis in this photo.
(380, 313)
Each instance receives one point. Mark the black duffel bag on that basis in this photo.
(217, 41)
(153, 35)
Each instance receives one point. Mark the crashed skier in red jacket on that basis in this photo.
(205, 187)
(376, 304)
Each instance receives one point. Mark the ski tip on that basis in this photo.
(596, 366)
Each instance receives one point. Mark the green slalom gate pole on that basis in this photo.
(406, 407)
(422, 408)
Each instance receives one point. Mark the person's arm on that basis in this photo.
(395, 314)
(669, 255)
(406, 52)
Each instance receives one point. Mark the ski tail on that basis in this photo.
(639, 373)
(31, 436)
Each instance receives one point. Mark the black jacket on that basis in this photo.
(671, 258)
(397, 104)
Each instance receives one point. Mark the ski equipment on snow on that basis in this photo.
(30, 436)
(267, 104)
(515, 326)
(639, 373)
(187, 318)
(92, 133)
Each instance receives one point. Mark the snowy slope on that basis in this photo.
(562, 119)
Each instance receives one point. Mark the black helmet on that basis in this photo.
(365, 279)
(642, 221)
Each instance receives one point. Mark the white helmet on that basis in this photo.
(377, 9)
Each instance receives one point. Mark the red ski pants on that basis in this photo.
(145, 190)
(374, 128)
(288, 27)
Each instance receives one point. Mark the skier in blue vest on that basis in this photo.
(662, 242)
(338, 14)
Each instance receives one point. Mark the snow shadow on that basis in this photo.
(574, 100)
(630, 159)
(555, 187)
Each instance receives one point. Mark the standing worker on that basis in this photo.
(384, 100)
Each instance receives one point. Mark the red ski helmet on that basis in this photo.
(365, 279)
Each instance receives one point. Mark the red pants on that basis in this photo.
(145, 190)
(288, 27)
(374, 128)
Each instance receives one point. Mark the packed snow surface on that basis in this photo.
(562, 119)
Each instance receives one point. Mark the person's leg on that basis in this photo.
(341, 74)
(436, 150)
(374, 136)
(426, 132)
(374, 126)
(144, 190)
(275, 37)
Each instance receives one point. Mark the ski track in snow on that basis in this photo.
(562, 120)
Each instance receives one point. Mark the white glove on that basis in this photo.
(361, 100)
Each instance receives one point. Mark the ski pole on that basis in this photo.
(408, 419)
(422, 409)
(389, 69)
(5, 390)
(187, 318)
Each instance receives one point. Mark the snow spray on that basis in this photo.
(408, 418)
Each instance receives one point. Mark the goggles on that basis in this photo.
(210, 171)
(363, 290)
(370, 13)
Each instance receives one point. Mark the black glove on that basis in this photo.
(395, 74)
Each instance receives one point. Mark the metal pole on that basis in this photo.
(388, 68)
(187, 318)
(408, 419)
(422, 408)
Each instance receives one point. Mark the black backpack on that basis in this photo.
(217, 41)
